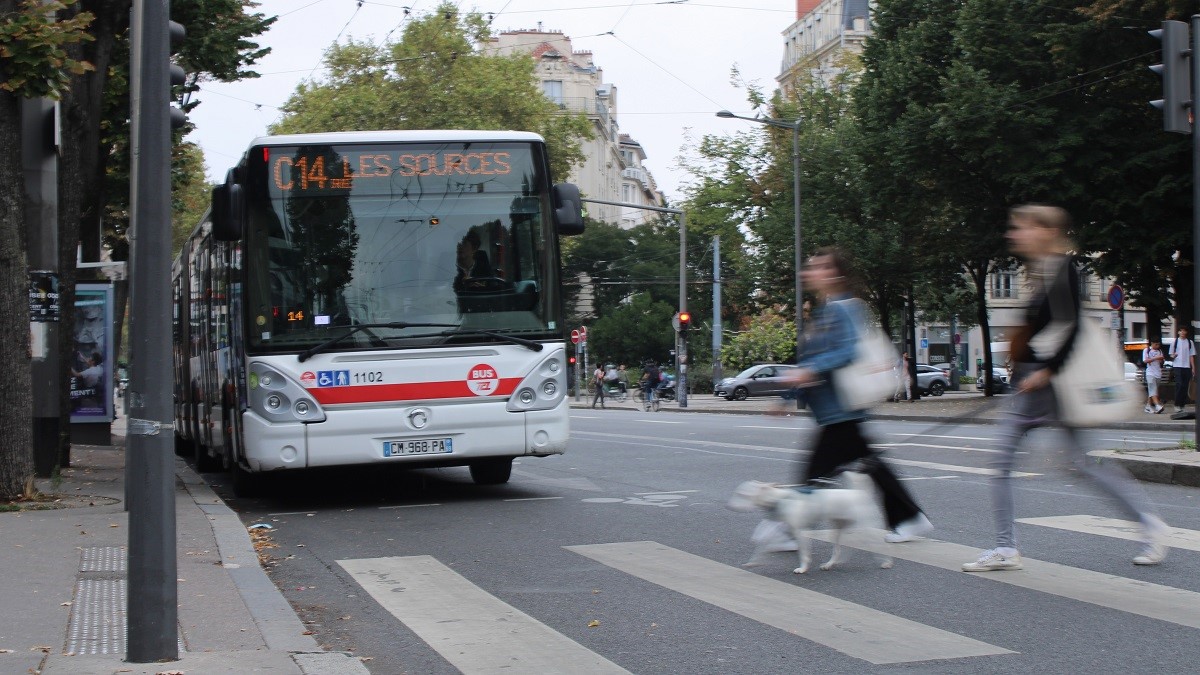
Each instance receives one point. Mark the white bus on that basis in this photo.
(387, 297)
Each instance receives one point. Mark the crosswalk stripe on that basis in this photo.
(954, 467)
(473, 630)
(1176, 537)
(854, 630)
(1173, 605)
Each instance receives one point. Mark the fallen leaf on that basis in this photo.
(344, 618)
(113, 525)
(65, 604)
(593, 623)
(307, 632)
(6, 651)
(41, 648)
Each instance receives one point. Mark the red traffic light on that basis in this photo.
(684, 318)
(571, 360)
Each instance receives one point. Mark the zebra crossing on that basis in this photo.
(477, 632)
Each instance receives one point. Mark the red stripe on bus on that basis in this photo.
(415, 391)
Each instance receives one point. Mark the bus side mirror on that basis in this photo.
(227, 212)
(568, 209)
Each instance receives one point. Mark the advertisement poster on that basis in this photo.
(43, 296)
(91, 364)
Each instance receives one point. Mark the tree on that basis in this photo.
(435, 77)
(767, 338)
(95, 123)
(33, 45)
(633, 332)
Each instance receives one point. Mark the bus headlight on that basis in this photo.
(279, 398)
(543, 387)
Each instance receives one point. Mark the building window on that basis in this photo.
(1004, 283)
(553, 90)
(1139, 331)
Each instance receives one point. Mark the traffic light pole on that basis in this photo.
(1194, 72)
(151, 614)
(681, 360)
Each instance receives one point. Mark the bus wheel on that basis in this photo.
(205, 462)
(491, 471)
(245, 484)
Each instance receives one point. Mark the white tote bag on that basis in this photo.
(1091, 387)
(871, 376)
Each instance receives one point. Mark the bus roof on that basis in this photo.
(399, 136)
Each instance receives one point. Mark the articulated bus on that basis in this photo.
(388, 297)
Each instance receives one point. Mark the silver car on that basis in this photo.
(768, 379)
(932, 380)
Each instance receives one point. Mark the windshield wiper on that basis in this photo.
(535, 346)
(311, 352)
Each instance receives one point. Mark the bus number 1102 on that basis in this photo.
(368, 377)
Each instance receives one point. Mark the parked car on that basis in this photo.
(1000, 384)
(768, 379)
(1133, 373)
(931, 380)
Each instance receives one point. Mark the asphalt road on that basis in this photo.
(621, 556)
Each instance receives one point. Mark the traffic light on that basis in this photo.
(571, 360)
(1175, 70)
(177, 33)
(685, 321)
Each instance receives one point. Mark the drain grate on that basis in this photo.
(103, 559)
(97, 617)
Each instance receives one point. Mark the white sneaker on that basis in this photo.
(910, 530)
(1148, 408)
(994, 560)
(1153, 550)
(1158, 409)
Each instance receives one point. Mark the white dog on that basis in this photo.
(843, 508)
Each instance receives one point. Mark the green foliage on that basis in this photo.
(767, 338)
(633, 332)
(435, 77)
(33, 48)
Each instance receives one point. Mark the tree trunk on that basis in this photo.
(16, 401)
(81, 172)
(979, 276)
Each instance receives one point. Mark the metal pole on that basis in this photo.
(799, 256)
(151, 616)
(681, 352)
(1194, 68)
(716, 330)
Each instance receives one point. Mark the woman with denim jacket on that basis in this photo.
(831, 338)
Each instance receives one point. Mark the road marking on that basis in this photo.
(1135, 596)
(407, 506)
(666, 492)
(531, 499)
(927, 477)
(757, 426)
(954, 467)
(1176, 537)
(1143, 442)
(667, 445)
(660, 421)
(472, 629)
(854, 630)
(957, 438)
(937, 447)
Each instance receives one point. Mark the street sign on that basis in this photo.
(1116, 296)
(583, 334)
(924, 343)
(958, 338)
(574, 337)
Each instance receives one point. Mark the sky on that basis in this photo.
(670, 62)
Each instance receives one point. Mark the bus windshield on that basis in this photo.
(454, 234)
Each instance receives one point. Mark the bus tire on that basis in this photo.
(205, 462)
(494, 471)
(245, 484)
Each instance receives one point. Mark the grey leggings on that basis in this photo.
(1028, 411)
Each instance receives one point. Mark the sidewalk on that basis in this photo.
(64, 584)
(1165, 465)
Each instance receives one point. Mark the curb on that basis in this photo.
(279, 624)
(1152, 469)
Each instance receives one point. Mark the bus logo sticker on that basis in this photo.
(308, 378)
(482, 380)
(333, 378)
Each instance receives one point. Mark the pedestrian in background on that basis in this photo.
(598, 381)
(830, 341)
(1038, 234)
(623, 378)
(1183, 363)
(1153, 357)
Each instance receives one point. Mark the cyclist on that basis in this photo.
(650, 377)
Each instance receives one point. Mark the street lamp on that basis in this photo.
(795, 127)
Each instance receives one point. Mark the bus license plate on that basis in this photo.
(418, 446)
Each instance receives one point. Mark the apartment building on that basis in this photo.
(826, 36)
(613, 168)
